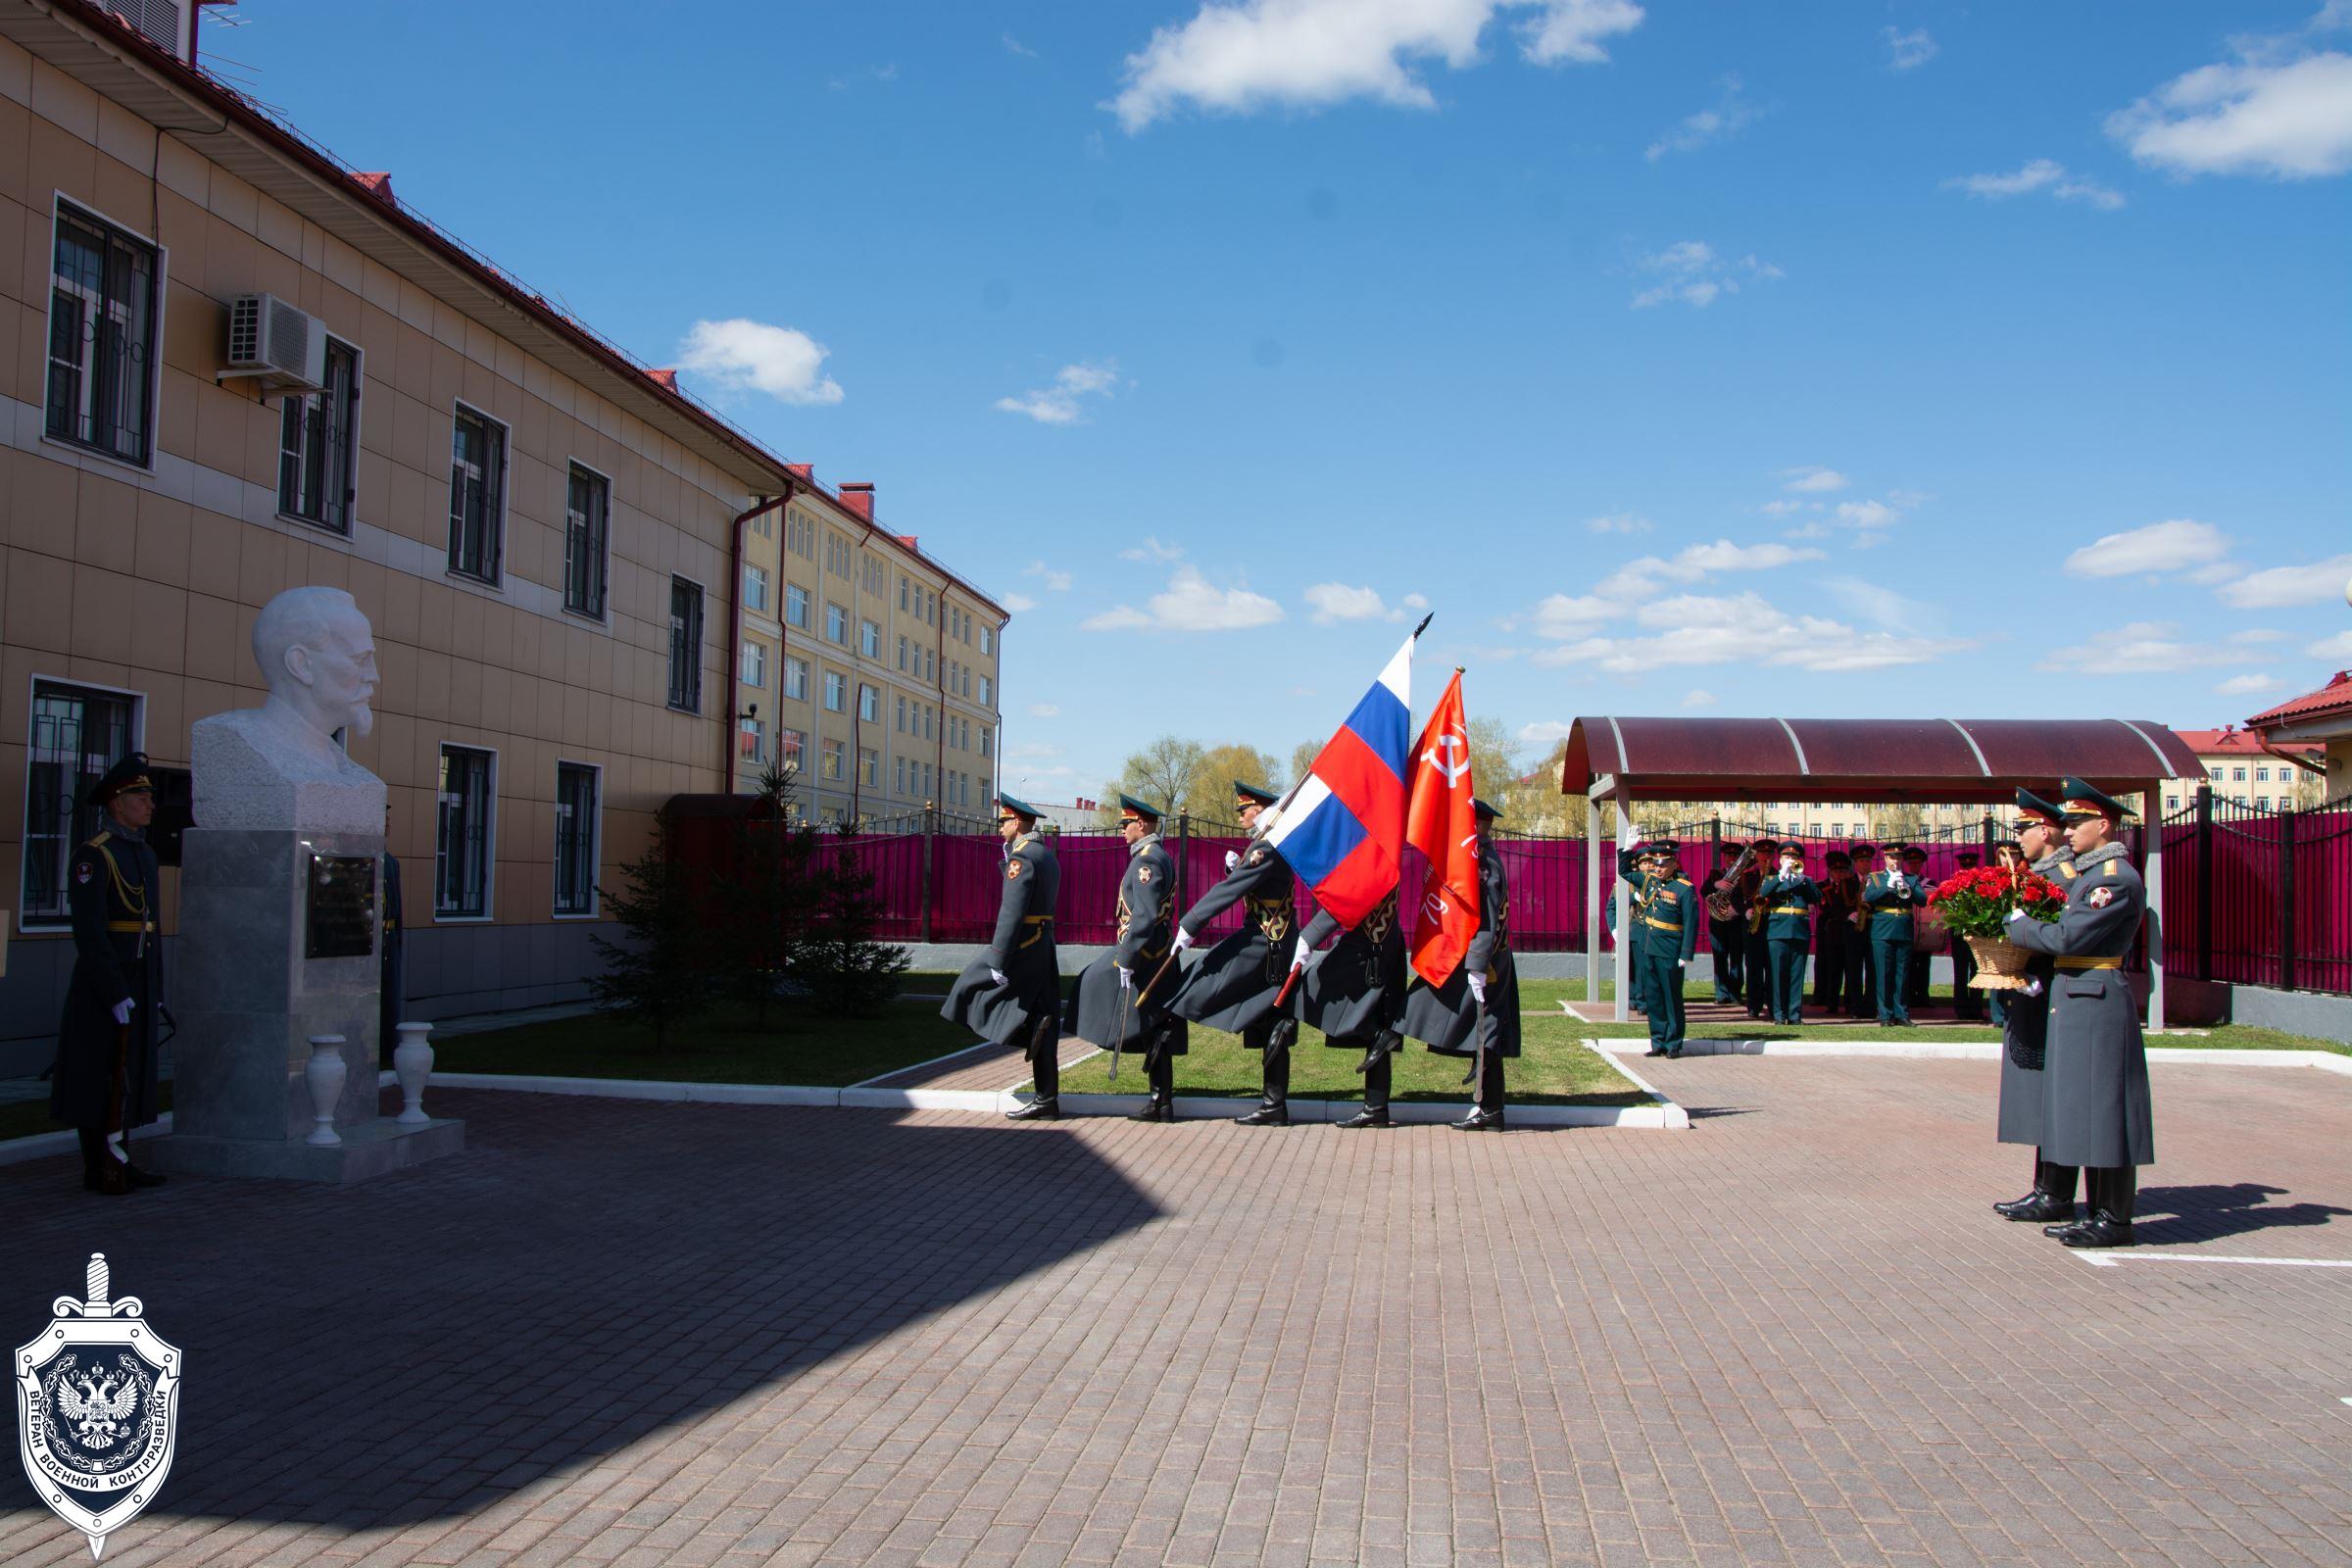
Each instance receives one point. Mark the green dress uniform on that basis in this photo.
(1890, 901)
(1727, 940)
(1862, 999)
(1789, 904)
(1103, 1012)
(1450, 1020)
(2024, 1040)
(2096, 1111)
(1354, 994)
(1636, 927)
(105, 1079)
(1914, 978)
(1837, 944)
(1672, 920)
(1757, 954)
(1026, 1007)
(1233, 984)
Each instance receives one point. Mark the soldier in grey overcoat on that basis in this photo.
(2095, 1108)
(1233, 984)
(1115, 1005)
(2025, 1028)
(1476, 1011)
(1012, 992)
(1354, 993)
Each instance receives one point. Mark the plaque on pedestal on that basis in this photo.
(342, 907)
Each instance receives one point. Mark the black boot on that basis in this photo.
(2009, 1209)
(143, 1178)
(1369, 1116)
(1265, 1116)
(2055, 1198)
(1045, 1107)
(2116, 1193)
(1156, 1109)
(1479, 1121)
(101, 1172)
(93, 1152)
(2094, 1188)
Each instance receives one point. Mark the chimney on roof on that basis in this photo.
(805, 471)
(666, 379)
(858, 497)
(376, 183)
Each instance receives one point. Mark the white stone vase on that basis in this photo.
(412, 1060)
(325, 1074)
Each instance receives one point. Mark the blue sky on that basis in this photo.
(1721, 359)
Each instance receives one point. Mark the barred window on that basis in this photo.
(576, 828)
(685, 645)
(461, 850)
(102, 301)
(317, 445)
(77, 734)
(478, 484)
(586, 535)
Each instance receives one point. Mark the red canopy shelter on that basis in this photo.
(1866, 761)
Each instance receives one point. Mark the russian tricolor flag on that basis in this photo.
(1342, 828)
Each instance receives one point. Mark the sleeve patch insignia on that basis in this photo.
(2100, 897)
(83, 871)
(1012, 871)
(1143, 874)
(1258, 856)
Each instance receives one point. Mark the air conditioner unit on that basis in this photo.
(271, 340)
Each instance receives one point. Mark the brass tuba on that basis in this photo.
(1720, 904)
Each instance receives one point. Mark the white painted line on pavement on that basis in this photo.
(2109, 1259)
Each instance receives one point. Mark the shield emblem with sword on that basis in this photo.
(97, 1409)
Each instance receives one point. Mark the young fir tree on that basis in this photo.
(761, 896)
(848, 973)
(653, 974)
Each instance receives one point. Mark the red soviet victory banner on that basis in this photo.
(1438, 822)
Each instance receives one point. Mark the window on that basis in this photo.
(461, 850)
(987, 693)
(799, 536)
(2238, 775)
(755, 664)
(900, 723)
(76, 735)
(751, 738)
(985, 733)
(902, 591)
(837, 554)
(576, 828)
(902, 653)
(837, 624)
(870, 704)
(869, 767)
(928, 781)
(764, 526)
(102, 359)
(2261, 802)
(478, 481)
(987, 641)
(685, 645)
(898, 774)
(2171, 801)
(836, 690)
(795, 679)
(587, 509)
(796, 606)
(318, 443)
(792, 747)
(2262, 775)
(869, 639)
(832, 760)
(754, 589)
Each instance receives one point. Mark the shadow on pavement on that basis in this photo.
(2212, 1211)
(587, 1272)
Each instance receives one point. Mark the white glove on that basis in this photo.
(1478, 988)
(1184, 940)
(122, 1009)
(2033, 988)
(998, 976)
(1233, 858)
(1126, 980)
(1682, 964)
(2016, 914)
(1303, 957)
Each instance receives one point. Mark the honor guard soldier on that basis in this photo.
(1672, 917)
(1890, 896)
(1109, 1005)
(1835, 964)
(1915, 982)
(1234, 984)
(1354, 993)
(1011, 994)
(104, 1083)
(1476, 1011)
(1639, 866)
(1758, 953)
(2095, 1108)
(1968, 1004)
(1727, 940)
(2025, 1022)
(1789, 899)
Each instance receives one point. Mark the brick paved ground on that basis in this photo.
(984, 1066)
(644, 1334)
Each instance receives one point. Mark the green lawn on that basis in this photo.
(719, 1047)
(1555, 1070)
(24, 1119)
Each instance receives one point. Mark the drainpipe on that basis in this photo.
(939, 681)
(726, 738)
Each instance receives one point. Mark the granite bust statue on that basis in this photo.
(277, 765)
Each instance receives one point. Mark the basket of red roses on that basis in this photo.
(1977, 905)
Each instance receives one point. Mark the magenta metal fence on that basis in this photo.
(2259, 897)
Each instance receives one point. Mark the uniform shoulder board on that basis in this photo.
(93, 842)
(2066, 868)
(2112, 866)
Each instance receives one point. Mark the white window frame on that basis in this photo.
(836, 690)
(837, 624)
(790, 620)
(754, 669)
(795, 679)
(870, 704)
(26, 920)
(870, 640)
(596, 840)
(58, 201)
(757, 603)
(495, 528)
(489, 912)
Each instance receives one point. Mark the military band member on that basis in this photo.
(1671, 915)
(1234, 984)
(1890, 896)
(1862, 1002)
(1835, 963)
(104, 1083)
(1757, 958)
(1638, 868)
(1915, 993)
(1727, 940)
(1476, 1011)
(1109, 1007)
(2042, 848)
(1968, 1004)
(1354, 993)
(1011, 994)
(1789, 899)
(2096, 1112)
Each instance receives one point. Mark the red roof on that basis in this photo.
(376, 183)
(2334, 698)
(668, 380)
(1867, 760)
(2236, 742)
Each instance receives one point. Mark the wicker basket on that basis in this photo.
(2000, 964)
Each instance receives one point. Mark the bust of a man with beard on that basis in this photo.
(280, 766)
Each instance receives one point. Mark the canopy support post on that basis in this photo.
(1593, 850)
(2152, 878)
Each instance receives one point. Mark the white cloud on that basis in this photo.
(2175, 545)
(1151, 550)
(2282, 586)
(1564, 616)
(1057, 403)
(1019, 604)
(2246, 685)
(1031, 749)
(1691, 271)
(1044, 710)
(1868, 515)
(1055, 581)
(1543, 733)
(1692, 630)
(1617, 523)
(1730, 115)
(2041, 174)
(2281, 109)
(1015, 46)
(1189, 603)
(1807, 530)
(1241, 56)
(2258, 634)
(2338, 645)
(1335, 602)
(1642, 578)
(740, 354)
(1699, 696)
(2137, 648)
(1813, 479)
(1907, 51)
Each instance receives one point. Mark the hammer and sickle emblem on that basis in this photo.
(1444, 748)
